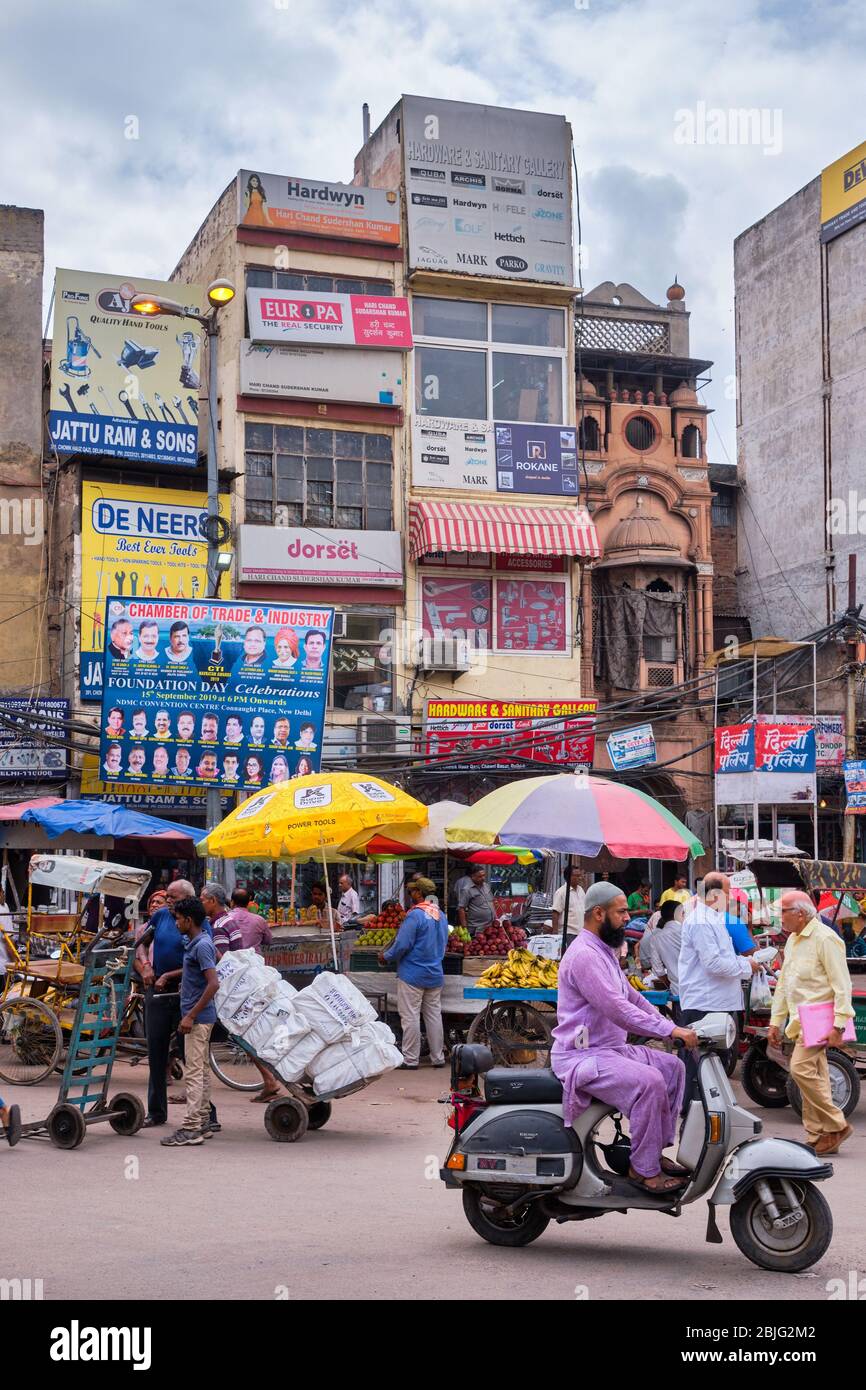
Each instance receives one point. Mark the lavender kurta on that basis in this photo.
(645, 1084)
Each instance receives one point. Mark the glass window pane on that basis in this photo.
(319, 515)
(320, 282)
(350, 470)
(258, 512)
(451, 382)
(350, 517)
(369, 627)
(290, 439)
(259, 465)
(362, 679)
(377, 446)
(379, 473)
(288, 515)
(349, 287)
(259, 279)
(531, 615)
(458, 608)
(285, 281)
(320, 493)
(350, 494)
(290, 466)
(378, 496)
(259, 437)
(450, 318)
(378, 520)
(527, 388)
(383, 287)
(290, 490)
(521, 323)
(320, 469)
(348, 444)
(320, 442)
(260, 487)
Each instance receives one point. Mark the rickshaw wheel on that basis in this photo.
(286, 1120)
(66, 1126)
(31, 1041)
(128, 1113)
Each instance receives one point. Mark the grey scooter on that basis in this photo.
(519, 1167)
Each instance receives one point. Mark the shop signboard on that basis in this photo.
(829, 736)
(285, 204)
(771, 764)
(124, 385)
(630, 748)
(213, 693)
(855, 787)
(328, 320)
(502, 735)
(141, 798)
(453, 453)
(843, 193)
(488, 190)
(540, 459)
(24, 757)
(137, 542)
(296, 555)
(370, 377)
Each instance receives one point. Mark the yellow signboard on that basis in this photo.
(143, 798)
(843, 194)
(137, 542)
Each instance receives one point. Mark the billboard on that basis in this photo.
(295, 555)
(372, 377)
(284, 204)
(216, 693)
(23, 757)
(142, 798)
(136, 542)
(124, 385)
(769, 763)
(345, 320)
(539, 459)
(829, 736)
(843, 193)
(499, 735)
(452, 453)
(855, 788)
(735, 748)
(629, 748)
(488, 190)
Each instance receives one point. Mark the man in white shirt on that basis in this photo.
(349, 905)
(665, 946)
(576, 903)
(711, 973)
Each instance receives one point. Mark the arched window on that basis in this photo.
(691, 442)
(587, 435)
(660, 648)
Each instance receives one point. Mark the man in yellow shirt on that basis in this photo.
(679, 893)
(813, 972)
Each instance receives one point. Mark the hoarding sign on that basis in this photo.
(213, 693)
(136, 542)
(453, 453)
(142, 798)
(629, 748)
(855, 787)
(345, 320)
(23, 757)
(772, 764)
(843, 193)
(344, 210)
(295, 555)
(532, 615)
(540, 459)
(323, 374)
(735, 748)
(783, 748)
(829, 736)
(500, 735)
(124, 385)
(488, 190)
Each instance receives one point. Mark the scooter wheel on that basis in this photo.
(790, 1250)
(844, 1084)
(484, 1217)
(763, 1080)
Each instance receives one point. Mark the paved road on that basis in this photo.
(355, 1210)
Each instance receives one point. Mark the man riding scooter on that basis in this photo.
(597, 1009)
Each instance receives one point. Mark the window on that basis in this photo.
(259, 277)
(641, 432)
(317, 477)
(491, 382)
(722, 513)
(587, 435)
(691, 442)
(510, 613)
(361, 676)
(659, 648)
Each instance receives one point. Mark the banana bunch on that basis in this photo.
(520, 970)
(637, 983)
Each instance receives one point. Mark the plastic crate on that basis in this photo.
(365, 960)
(452, 963)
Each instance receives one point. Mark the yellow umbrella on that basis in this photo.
(310, 816)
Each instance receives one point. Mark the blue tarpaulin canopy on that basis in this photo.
(103, 818)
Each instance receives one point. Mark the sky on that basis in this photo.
(125, 121)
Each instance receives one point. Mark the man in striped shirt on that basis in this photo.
(227, 935)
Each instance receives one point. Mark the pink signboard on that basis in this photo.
(336, 320)
(531, 615)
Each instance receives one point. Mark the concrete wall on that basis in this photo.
(801, 352)
(24, 518)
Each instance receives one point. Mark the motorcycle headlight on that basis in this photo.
(730, 1033)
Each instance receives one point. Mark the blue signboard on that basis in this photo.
(540, 459)
(213, 693)
(855, 785)
(629, 748)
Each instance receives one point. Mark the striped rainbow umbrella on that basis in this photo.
(573, 813)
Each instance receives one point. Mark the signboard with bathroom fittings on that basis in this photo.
(285, 204)
(460, 607)
(124, 385)
(137, 542)
(532, 615)
(539, 459)
(502, 734)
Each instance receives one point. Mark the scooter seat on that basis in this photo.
(522, 1086)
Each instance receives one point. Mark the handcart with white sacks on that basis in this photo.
(322, 1043)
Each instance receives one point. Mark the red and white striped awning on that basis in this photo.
(501, 529)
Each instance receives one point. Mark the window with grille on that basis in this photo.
(361, 668)
(660, 677)
(297, 476)
(621, 335)
(260, 277)
(659, 649)
(691, 442)
(587, 435)
(641, 432)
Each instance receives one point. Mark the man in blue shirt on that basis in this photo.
(198, 986)
(417, 953)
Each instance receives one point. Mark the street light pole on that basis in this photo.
(213, 503)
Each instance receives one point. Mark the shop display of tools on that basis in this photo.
(134, 355)
(78, 348)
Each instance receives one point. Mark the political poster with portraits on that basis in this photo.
(216, 693)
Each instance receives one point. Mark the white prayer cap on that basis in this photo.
(600, 894)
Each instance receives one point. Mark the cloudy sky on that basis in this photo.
(214, 85)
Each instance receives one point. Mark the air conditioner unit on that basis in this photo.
(442, 653)
(383, 733)
(339, 624)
